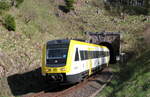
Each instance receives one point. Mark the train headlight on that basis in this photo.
(62, 69)
(46, 70)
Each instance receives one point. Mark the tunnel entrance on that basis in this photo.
(108, 39)
(112, 52)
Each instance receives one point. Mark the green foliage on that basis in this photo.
(133, 8)
(10, 23)
(69, 4)
(4, 6)
(18, 2)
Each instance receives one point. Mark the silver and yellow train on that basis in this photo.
(72, 60)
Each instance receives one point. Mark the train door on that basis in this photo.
(43, 59)
(89, 62)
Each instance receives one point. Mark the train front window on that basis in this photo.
(56, 57)
(58, 53)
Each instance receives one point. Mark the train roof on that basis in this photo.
(63, 41)
(67, 41)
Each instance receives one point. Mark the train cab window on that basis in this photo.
(76, 55)
(59, 53)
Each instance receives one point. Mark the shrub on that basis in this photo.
(4, 5)
(10, 23)
(69, 4)
(134, 7)
(17, 3)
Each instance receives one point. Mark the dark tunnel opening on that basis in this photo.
(112, 51)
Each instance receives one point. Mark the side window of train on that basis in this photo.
(97, 54)
(82, 55)
(76, 55)
(107, 53)
(85, 55)
(103, 54)
(89, 54)
(92, 54)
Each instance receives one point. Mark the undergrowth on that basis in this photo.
(10, 23)
(131, 79)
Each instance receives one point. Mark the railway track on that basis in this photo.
(86, 88)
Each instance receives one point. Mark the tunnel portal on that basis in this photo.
(109, 39)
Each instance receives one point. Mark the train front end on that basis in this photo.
(54, 60)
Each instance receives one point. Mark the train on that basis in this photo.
(72, 60)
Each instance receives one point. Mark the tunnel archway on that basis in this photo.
(112, 51)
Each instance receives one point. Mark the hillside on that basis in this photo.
(132, 80)
(38, 22)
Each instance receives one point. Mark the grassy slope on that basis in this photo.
(20, 51)
(133, 79)
(47, 22)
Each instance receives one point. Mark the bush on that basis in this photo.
(4, 5)
(69, 4)
(134, 7)
(17, 3)
(10, 23)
